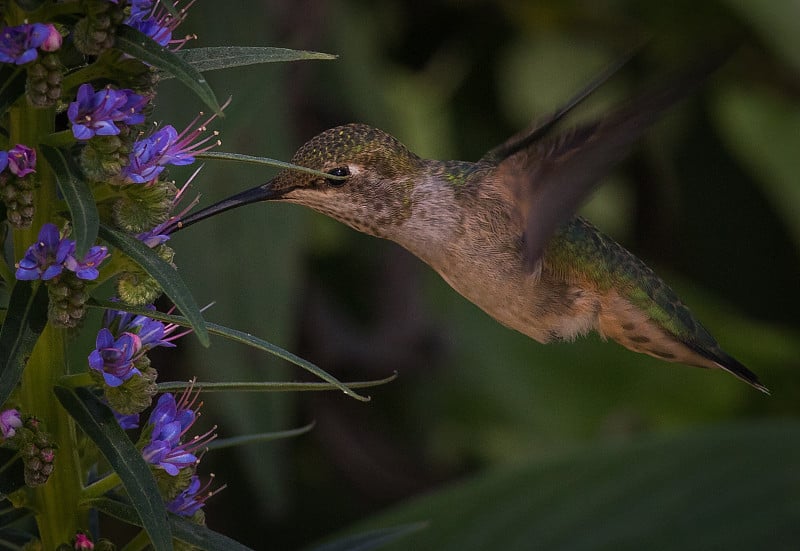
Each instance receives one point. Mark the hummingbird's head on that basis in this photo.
(376, 170)
(372, 177)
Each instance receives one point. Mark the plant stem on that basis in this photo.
(101, 487)
(138, 543)
(56, 502)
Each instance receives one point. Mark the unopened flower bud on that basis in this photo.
(138, 288)
(68, 297)
(144, 206)
(53, 40)
(43, 84)
(134, 395)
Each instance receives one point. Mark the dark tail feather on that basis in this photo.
(734, 367)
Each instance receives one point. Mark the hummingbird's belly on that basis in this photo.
(537, 305)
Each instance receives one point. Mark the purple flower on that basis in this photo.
(87, 268)
(160, 233)
(127, 422)
(192, 499)
(140, 10)
(152, 28)
(51, 253)
(151, 332)
(3, 160)
(154, 20)
(114, 358)
(21, 160)
(18, 44)
(10, 421)
(45, 258)
(171, 420)
(95, 113)
(164, 147)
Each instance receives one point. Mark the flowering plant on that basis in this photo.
(86, 200)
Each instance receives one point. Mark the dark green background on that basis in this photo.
(711, 200)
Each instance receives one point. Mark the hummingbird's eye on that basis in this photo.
(342, 171)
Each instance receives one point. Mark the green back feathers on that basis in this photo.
(579, 250)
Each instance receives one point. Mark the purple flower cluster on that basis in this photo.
(19, 44)
(170, 421)
(165, 146)
(51, 253)
(98, 113)
(151, 18)
(20, 160)
(123, 340)
(114, 358)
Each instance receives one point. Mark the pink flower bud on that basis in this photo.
(53, 40)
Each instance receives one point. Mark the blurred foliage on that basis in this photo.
(710, 200)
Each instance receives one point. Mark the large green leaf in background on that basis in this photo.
(722, 487)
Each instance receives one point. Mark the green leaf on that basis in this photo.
(99, 424)
(270, 386)
(238, 157)
(79, 198)
(723, 487)
(163, 273)
(25, 320)
(224, 57)
(221, 443)
(170, 6)
(244, 338)
(138, 45)
(373, 539)
(12, 86)
(188, 532)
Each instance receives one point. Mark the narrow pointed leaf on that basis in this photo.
(99, 424)
(221, 443)
(373, 539)
(12, 86)
(25, 320)
(244, 338)
(224, 57)
(81, 203)
(188, 532)
(138, 45)
(163, 273)
(267, 386)
(238, 157)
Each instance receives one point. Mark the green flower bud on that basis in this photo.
(132, 396)
(137, 288)
(68, 297)
(43, 83)
(144, 206)
(104, 157)
(17, 195)
(95, 33)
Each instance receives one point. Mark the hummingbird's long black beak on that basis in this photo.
(264, 192)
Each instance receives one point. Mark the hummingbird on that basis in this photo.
(502, 231)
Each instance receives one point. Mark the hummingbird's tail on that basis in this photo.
(731, 365)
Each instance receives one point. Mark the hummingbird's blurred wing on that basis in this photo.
(552, 177)
(539, 128)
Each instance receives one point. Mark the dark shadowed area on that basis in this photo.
(579, 445)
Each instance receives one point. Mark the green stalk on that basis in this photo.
(101, 487)
(56, 502)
